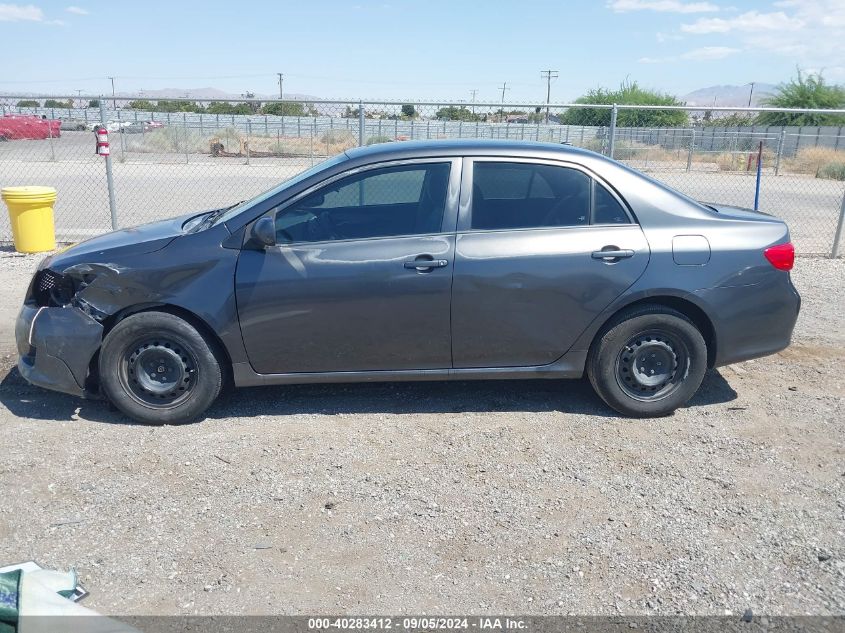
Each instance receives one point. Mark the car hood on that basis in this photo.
(138, 240)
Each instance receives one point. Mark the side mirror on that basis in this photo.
(263, 233)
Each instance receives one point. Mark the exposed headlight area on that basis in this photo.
(52, 289)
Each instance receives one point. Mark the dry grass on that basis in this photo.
(168, 140)
(818, 161)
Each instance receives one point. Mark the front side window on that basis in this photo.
(384, 202)
(525, 195)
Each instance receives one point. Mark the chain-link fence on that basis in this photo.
(176, 156)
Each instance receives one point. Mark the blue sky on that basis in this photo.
(420, 49)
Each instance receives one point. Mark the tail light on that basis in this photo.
(781, 256)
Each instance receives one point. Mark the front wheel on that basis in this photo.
(158, 369)
(648, 362)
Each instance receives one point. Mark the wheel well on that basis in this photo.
(689, 310)
(202, 327)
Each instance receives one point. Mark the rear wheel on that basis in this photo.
(157, 368)
(648, 361)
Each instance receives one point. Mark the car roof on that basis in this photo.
(398, 150)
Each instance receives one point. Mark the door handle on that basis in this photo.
(608, 254)
(419, 264)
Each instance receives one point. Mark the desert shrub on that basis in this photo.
(832, 171)
(811, 159)
(337, 137)
(378, 139)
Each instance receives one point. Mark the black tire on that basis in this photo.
(647, 361)
(158, 369)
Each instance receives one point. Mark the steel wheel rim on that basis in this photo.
(652, 365)
(158, 372)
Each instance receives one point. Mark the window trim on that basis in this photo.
(450, 212)
(465, 208)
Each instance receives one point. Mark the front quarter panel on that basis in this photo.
(193, 273)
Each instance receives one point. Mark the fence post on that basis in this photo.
(361, 132)
(612, 133)
(109, 175)
(780, 151)
(248, 133)
(52, 149)
(837, 237)
(690, 151)
(185, 128)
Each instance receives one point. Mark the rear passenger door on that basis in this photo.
(529, 276)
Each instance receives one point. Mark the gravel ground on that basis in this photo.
(523, 497)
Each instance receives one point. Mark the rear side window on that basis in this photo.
(606, 208)
(524, 195)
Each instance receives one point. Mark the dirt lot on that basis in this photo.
(446, 498)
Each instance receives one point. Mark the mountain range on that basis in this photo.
(726, 95)
(729, 95)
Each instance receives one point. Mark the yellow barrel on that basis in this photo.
(31, 216)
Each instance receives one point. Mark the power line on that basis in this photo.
(549, 75)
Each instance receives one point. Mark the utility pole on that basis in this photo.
(474, 92)
(113, 102)
(549, 75)
(504, 87)
(750, 93)
(78, 96)
(281, 83)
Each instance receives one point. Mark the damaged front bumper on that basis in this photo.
(56, 345)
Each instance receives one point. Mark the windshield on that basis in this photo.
(230, 213)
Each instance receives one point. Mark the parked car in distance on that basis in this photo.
(78, 125)
(117, 126)
(139, 127)
(446, 260)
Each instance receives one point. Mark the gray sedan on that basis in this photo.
(418, 261)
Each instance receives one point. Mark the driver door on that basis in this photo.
(360, 276)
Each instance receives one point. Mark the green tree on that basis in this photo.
(94, 103)
(409, 111)
(173, 105)
(629, 93)
(141, 104)
(284, 108)
(28, 103)
(224, 107)
(735, 119)
(804, 91)
(52, 103)
(455, 113)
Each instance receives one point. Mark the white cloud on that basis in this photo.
(703, 54)
(751, 21)
(76, 10)
(668, 37)
(662, 6)
(20, 13)
(809, 33)
(707, 53)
